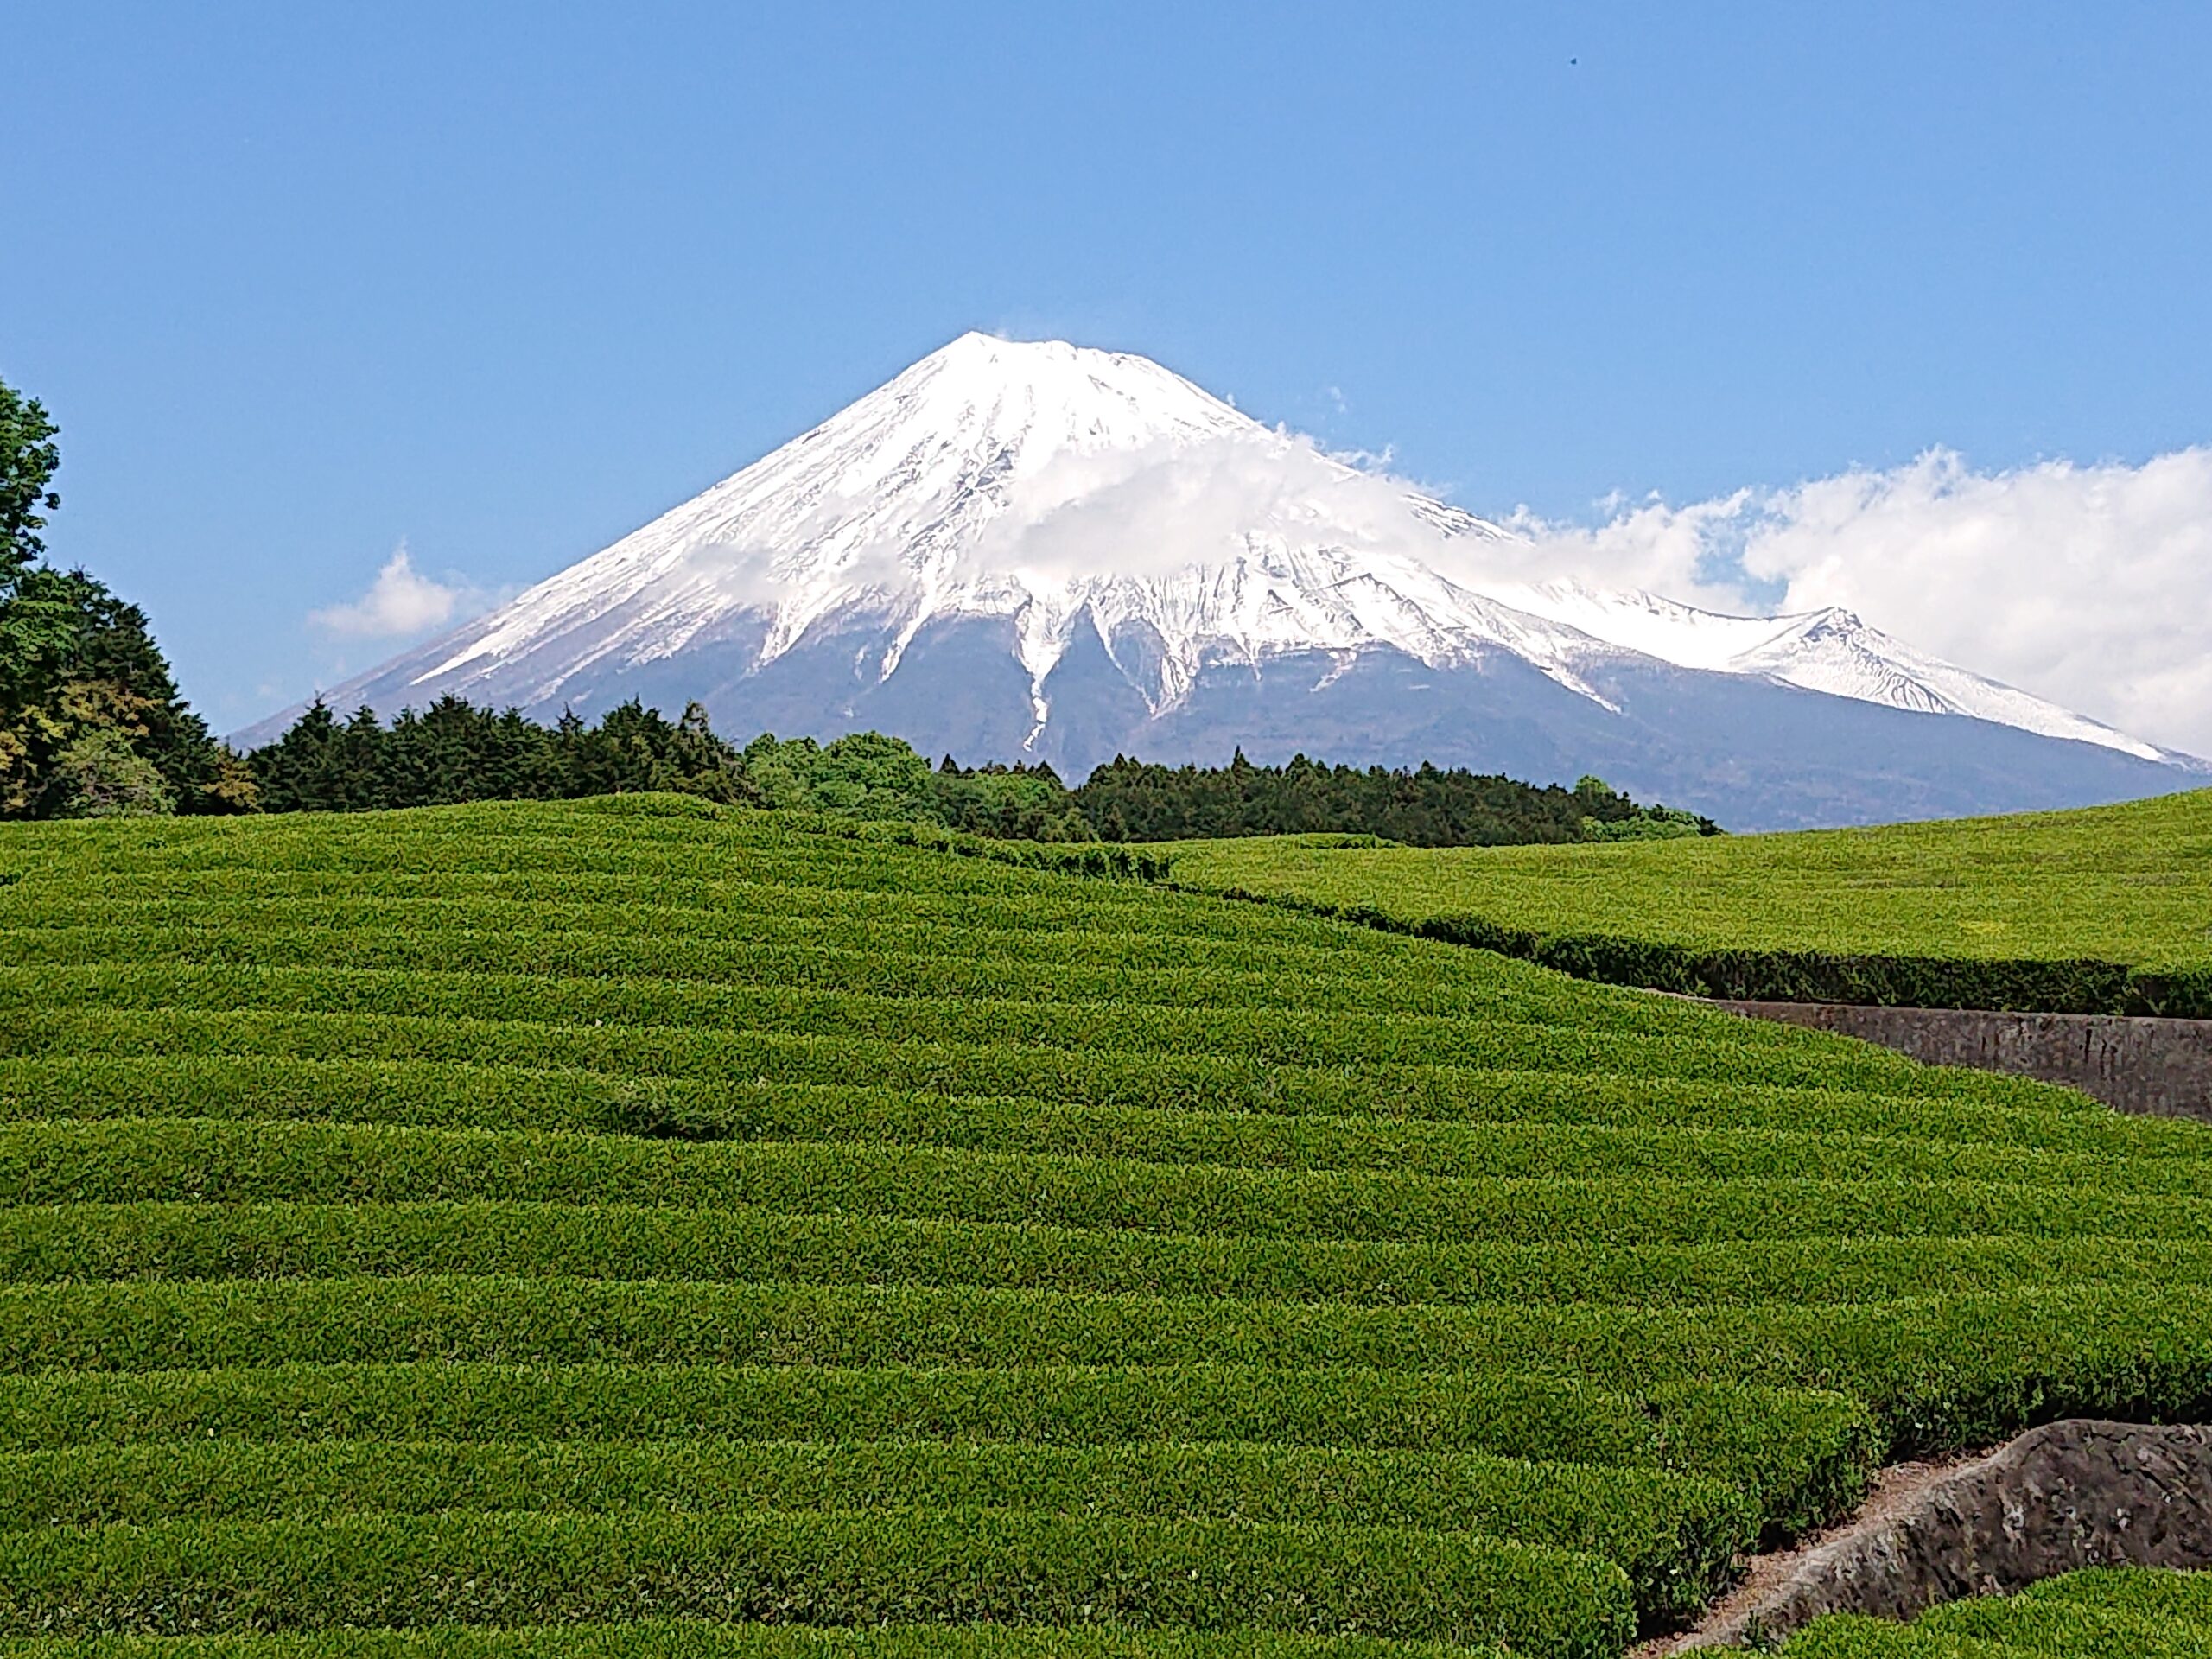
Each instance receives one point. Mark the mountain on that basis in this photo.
(1044, 551)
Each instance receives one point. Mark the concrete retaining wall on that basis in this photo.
(2159, 1067)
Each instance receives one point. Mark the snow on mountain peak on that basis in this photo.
(1060, 487)
(1034, 398)
(1830, 649)
(1035, 480)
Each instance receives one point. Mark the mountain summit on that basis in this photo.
(1040, 550)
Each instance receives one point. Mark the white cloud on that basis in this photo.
(1154, 510)
(2090, 586)
(401, 601)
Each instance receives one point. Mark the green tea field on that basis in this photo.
(2105, 910)
(2104, 1614)
(620, 1228)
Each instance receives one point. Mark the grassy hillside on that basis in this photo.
(2112, 1613)
(2106, 909)
(600, 1215)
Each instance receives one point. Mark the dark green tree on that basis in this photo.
(453, 751)
(78, 659)
(1428, 806)
(309, 769)
(76, 662)
(30, 455)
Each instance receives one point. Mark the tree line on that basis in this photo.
(1427, 806)
(454, 751)
(91, 725)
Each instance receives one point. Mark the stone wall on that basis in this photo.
(2159, 1067)
(2065, 1496)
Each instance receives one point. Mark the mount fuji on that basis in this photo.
(1042, 551)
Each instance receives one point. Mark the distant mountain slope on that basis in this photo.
(1044, 551)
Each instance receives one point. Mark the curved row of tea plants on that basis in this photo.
(547, 1230)
(2104, 1613)
(2105, 910)
(678, 1638)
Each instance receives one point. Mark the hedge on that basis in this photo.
(1117, 1073)
(2100, 1613)
(1308, 1120)
(1264, 1036)
(1348, 1408)
(188, 1160)
(696, 1639)
(2081, 985)
(958, 1567)
(283, 1240)
(1940, 1370)
(1676, 1536)
(1144, 969)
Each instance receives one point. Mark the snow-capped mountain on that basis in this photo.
(1040, 550)
(1828, 650)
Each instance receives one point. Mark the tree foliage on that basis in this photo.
(1425, 807)
(75, 660)
(99, 775)
(454, 751)
(28, 458)
(91, 720)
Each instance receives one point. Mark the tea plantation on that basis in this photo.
(2104, 910)
(618, 1228)
(2108, 1614)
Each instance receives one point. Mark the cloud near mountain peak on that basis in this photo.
(401, 603)
(2088, 585)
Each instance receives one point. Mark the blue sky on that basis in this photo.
(501, 281)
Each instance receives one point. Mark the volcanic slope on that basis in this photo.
(581, 1217)
(1039, 551)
